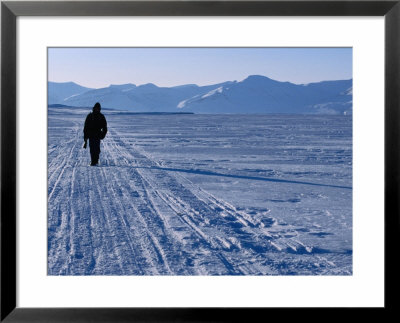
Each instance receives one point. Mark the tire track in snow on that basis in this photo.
(249, 234)
(192, 210)
(83, 237)
(143, 214)
(132, 229)
(60, 168)
(60, 214)
(156, 223)
(137, 219)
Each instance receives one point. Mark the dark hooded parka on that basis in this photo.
(95, 130)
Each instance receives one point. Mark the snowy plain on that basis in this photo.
(188, 194)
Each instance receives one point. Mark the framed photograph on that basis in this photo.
(193, 160)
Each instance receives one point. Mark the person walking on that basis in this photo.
(95, 129)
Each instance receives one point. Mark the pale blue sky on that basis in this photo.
(100, 67)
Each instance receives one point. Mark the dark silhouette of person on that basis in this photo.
(95, 130)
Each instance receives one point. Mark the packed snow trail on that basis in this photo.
(133, 216)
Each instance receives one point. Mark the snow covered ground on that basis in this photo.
(201, 195)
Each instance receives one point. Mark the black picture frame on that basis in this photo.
(10, 10)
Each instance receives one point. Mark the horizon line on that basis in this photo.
(234, 81)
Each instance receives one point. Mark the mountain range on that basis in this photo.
(255, 94)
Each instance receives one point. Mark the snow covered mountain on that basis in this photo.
(255, 94)
(259, 94)
(59, 92)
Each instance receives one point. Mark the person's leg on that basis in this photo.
(96, 151)
(91, 150)
(93, 153)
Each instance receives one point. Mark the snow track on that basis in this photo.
(131, 216)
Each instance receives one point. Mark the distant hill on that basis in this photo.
(58, 93)
(255, 94)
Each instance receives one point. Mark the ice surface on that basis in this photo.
(201, 195)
